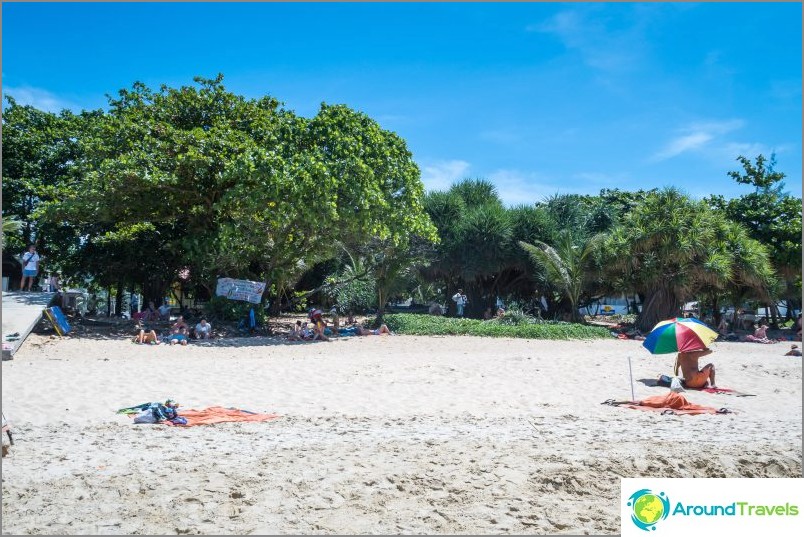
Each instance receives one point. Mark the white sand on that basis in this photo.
(377, 435)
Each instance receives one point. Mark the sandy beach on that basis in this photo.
(396, 434)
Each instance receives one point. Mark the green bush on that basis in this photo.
(223, 309)
(430, 325)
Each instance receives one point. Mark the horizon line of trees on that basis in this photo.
(195, 183)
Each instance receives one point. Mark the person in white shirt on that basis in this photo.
(460, 300)
(203, 330)
(30, 267)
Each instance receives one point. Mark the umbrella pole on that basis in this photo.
(631, 378)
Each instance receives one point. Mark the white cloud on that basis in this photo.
(695, 137)
(441, 174)
(600, 47)
(38, 98)
(517, 187)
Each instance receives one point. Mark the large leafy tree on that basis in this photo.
(40, 152)
(772, 217)
(669, 247)
(206, 182)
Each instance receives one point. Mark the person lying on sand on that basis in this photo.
(178, 335)
(693, 377)
(794, 351)
(144, 337)
(383, 329)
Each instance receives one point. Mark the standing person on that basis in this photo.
(460, 300)
(30, 266)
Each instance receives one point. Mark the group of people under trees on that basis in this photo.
(179, 333)
(317, 329)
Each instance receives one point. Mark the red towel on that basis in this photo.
(218, 414)
(675, 402)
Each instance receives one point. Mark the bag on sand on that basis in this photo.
(675, 385)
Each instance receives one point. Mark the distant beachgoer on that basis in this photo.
(383, 329)
(144, 337)
(203, 330)
(336, 320)
(500, 312)
(760, 335)
(180, 325)
(794, 351)
(296, 332)
(30, 266)
(460, 301)
(487, 314)
(693, 377)
(164, 312)
(150, 313)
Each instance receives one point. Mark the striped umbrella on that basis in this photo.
(679, 335)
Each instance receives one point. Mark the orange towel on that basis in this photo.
(218, 414)
(675, 402)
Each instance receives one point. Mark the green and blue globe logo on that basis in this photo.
(648, 508)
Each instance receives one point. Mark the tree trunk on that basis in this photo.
(109, 302)
(660, 304)
(118, 300)
(774, 316)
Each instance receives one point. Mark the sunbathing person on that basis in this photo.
(178, 335)
(148, 337)
(383, 329)
(693, 377)
(760, 335)
(794, 351)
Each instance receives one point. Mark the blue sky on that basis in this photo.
(540, 98)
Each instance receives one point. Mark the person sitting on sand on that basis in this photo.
(693, 377)
(794, 351)
(203, 330)
(296, 332)
(164, 312)
(336, 320)
(383, 329)
(760, 335)
(150, 313)
(180, 325)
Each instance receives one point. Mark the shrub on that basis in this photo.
(429, 325)
(221, 308)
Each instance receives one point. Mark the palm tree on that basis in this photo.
(568, 264)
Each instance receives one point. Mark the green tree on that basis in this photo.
(669, 248)
(569, 265)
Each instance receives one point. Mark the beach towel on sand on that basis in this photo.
(670, 403)
(218, 414)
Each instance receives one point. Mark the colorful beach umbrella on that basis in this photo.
(679, 335)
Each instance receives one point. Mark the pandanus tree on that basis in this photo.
(669, 247)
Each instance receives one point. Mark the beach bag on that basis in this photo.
(146, 416)
(676, 385)
(664, 380)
